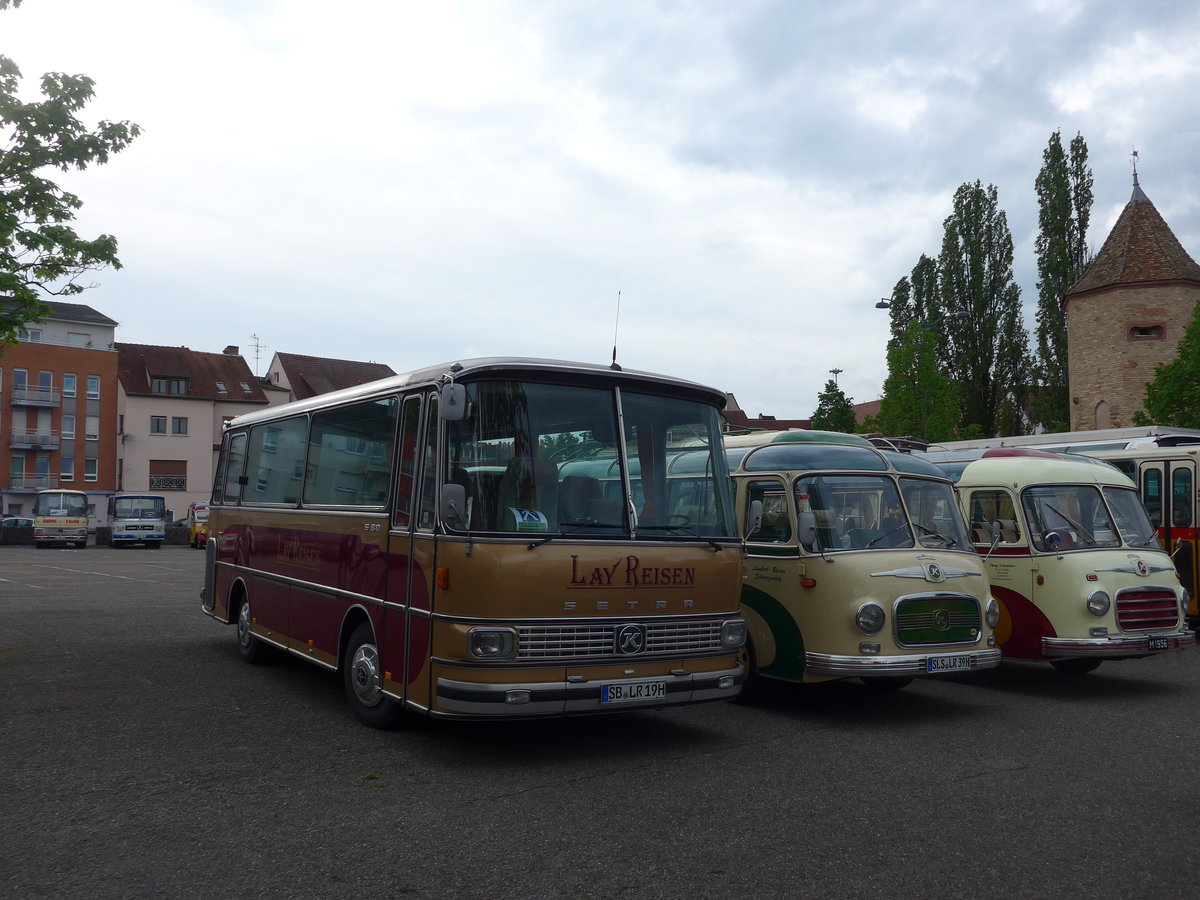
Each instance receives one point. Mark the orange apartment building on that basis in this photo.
(58, 409)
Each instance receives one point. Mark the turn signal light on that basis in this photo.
(443, 579)
(808, 582)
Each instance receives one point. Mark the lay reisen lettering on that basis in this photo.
(633, 575)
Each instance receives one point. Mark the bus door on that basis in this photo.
(1168, 489)
(409, 605)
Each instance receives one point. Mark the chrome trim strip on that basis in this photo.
(615, 618)
(558, 697)
(1115, 645)
(300, 583)
(868, 666)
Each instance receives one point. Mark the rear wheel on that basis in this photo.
(363, 681)
(252, 649)
(1078, 665)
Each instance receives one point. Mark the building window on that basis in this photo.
(1146, 333)
(90, 469)
(158, 424)
(68, 384)
(221, 388)
(245, 387)
(78, 339)
(178, 424)
(92, 428)
(93, 387)
(163, 384)
(68, 470)
(33, 335)
(68, 427)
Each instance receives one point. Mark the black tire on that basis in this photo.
(252, 649)
(362, 680)
(888, 682)
(755, 687)
(1076, 665)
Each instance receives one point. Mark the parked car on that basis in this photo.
(16, 522)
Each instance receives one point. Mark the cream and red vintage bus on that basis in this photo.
(424, 536)
(1072, 558)
(60, 517)
(1166, 477)
(860, 567)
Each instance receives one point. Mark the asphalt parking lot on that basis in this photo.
(142, 758)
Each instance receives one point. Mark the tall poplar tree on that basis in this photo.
(1064, 192)
(987, 351)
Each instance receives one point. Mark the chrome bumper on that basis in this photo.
(521, 700)
(868, 666)
(1115, 645)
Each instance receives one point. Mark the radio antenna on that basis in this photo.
(616, 324)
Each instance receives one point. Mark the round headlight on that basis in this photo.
(992, 613)
(1185, 599)
(870, 618)
(1098, 603)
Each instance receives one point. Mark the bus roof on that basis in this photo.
(501, 366)
(1024, 469)
(805, 451)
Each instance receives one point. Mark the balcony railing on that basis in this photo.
(36, 396)
(32, 482)
(33, 439)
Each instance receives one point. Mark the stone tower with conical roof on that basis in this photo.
(1126, 315)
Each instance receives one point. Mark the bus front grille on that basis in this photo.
(1144, 609)
(599, 640)
(938, 619)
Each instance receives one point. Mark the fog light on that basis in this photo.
(491, 643)
(518, 696)
(1098, 631)
(868, 648)
(725, 681)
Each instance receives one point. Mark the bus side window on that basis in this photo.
(776, 526)
(993, 506)
(1181, 498)
(426, 512)
(235, 461)
(406, 471)
(1152, 495)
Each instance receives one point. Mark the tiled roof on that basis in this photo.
(70, 312)
(138, 363)
(1141, 248)
(312, 375)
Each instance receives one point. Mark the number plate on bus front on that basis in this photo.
(948, 664)
(627, 691)
(1159, 643)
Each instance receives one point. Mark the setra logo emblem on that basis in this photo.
(941, 620)
(630, 639)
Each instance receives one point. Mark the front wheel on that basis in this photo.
(252, 649)
(754, 687)
(363, 681)
(1077, 665)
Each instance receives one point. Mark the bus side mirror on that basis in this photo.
(1179, 545)
(452, 401)
(753, 518)
(454, 504)
(807, 528)
(1053, 539)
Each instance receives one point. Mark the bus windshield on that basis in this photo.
(1131, 518)
(1075, 513)
(546, 458)
(854, 512)
(60, 503)
(139, 507)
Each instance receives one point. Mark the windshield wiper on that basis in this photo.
(871, 543)
(682, 529)
(578, 526)
(1087, 535)
(945, 538)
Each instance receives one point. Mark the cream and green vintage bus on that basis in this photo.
(860, 566)
(1073, 559)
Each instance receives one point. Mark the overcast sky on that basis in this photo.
(413, 183)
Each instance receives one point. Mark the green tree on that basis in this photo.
(986, 351)
(1064, 192)
(835, 411)
(918, 400)
(1173, 395)
(40, 253)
